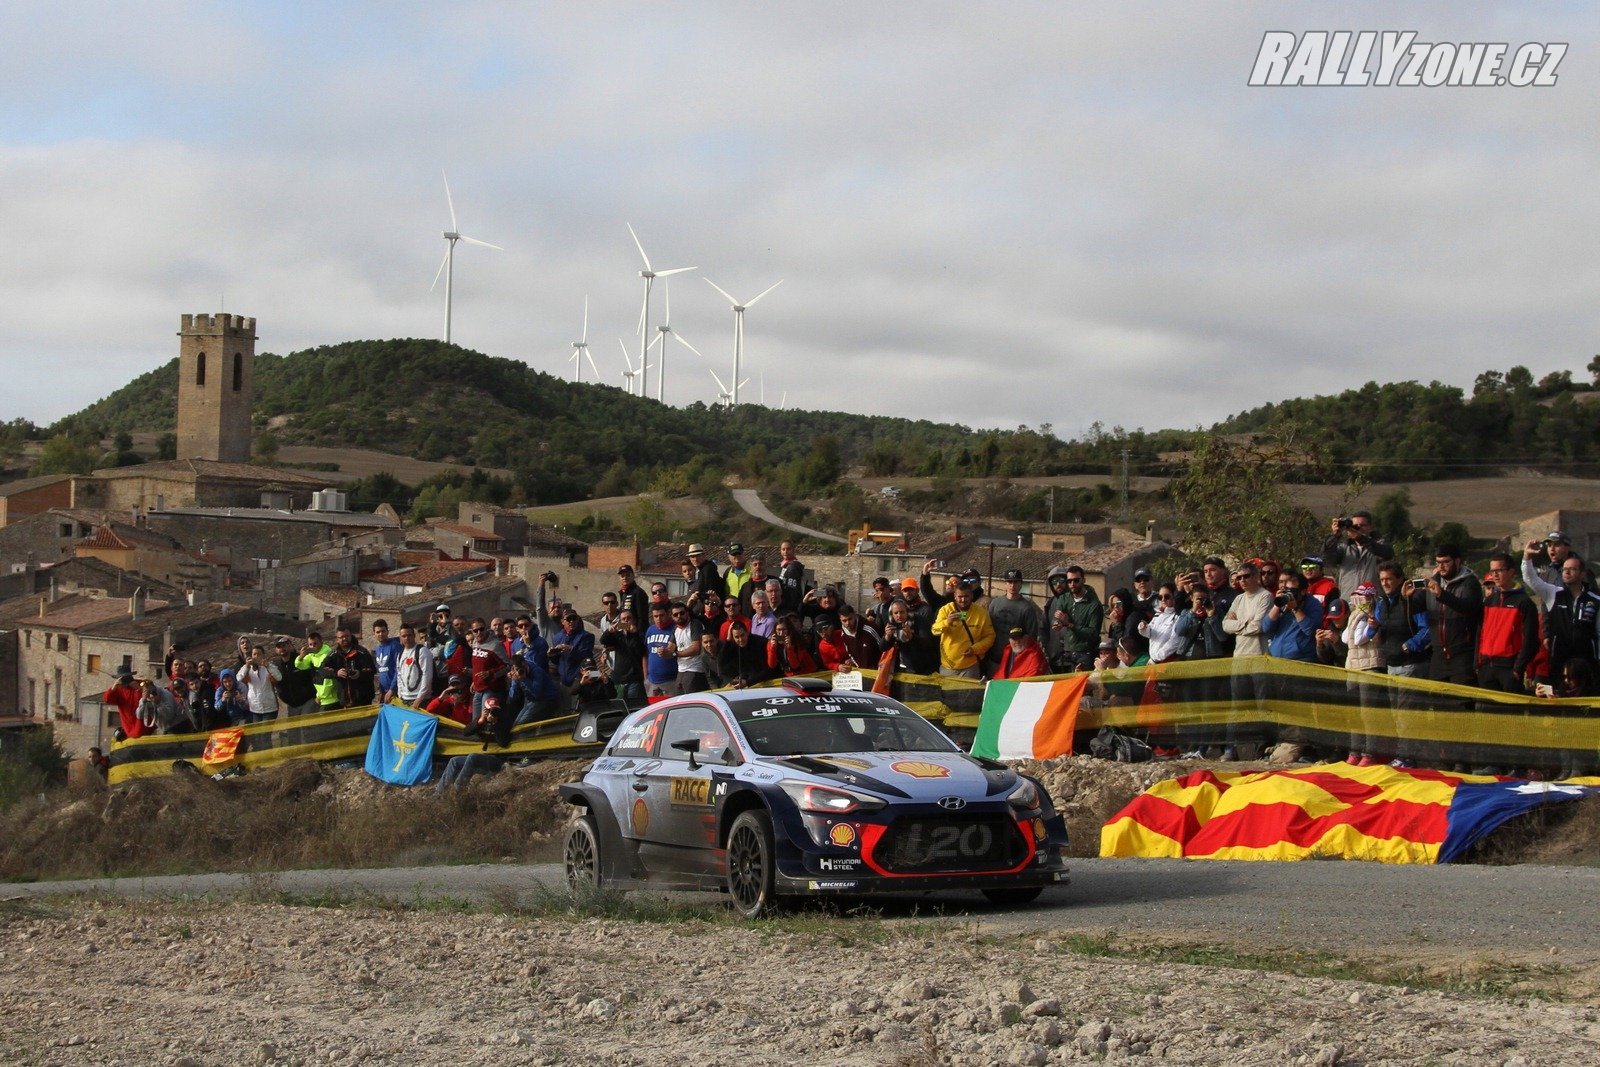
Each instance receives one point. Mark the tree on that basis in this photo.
(1594, 369)
(65, 455)
(167, 446)
(647, 519)
(1233, 500)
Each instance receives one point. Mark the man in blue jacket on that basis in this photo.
(1291, 623)
(571, 651)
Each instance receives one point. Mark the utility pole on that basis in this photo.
(1052, 505)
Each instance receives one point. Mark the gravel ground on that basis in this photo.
(95, 982)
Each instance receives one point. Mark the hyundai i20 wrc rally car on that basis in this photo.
(767, 793)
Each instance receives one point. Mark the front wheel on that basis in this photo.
(1015, 896)
(750, 864)
(580, 855)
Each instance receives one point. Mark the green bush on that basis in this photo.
(30, 762)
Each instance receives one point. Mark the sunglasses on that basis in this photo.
(475, 630)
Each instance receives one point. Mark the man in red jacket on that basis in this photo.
(1508, 637)
(124, 696)
(1022, 658)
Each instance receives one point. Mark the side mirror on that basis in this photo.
(691, 745)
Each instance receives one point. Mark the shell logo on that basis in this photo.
(842, 834)
(641, 817)
(920, 769)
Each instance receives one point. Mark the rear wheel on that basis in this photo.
(750, 864)
(1015, 896)
(580, 855)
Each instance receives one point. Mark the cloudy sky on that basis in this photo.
(991, 213)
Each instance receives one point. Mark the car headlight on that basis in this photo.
(1025, 797)
(826, 800)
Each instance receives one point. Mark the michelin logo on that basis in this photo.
(1397, 58)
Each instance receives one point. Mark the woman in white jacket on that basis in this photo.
(1162, 630)
(1366, 654)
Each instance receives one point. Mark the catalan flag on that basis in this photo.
(1333, 810)
(1029, 720)
(222, 747)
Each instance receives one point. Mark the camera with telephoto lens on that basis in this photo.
(550, 576)
(1286, 598)
(1346, 523)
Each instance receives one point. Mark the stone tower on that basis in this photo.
(216, 382)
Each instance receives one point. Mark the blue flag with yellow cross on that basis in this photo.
(401, 749)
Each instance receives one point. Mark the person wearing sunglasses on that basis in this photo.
(1355, 549)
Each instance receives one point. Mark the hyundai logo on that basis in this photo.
(952, 803)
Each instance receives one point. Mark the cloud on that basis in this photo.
(992, 215)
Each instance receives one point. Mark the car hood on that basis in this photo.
(922, 776)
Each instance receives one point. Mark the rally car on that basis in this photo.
(767, 793)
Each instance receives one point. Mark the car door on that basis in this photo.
(679, 793)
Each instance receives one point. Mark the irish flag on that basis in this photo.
(1029, 719)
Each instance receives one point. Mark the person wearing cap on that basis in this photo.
(296, 690)
(1144, 596)
(1317, 584)
(630, 594)
(1364, 654)
(439, 630)
(454, 702)
(124, 696)
(921, 610)
(1453, 601)
(1009, 610)
(703, 578)
(824, 600)
(1557, 547)
(1355, 548)
(575, 648)
(965, 634)
(1022, 656)
(738, 572)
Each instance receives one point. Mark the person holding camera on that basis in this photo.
(661, 654)
(1452, 596)
(628, 652)
(1355, 548)
(1291, 623)
(454, 701)
(312, 658)
(1572, 610)
(965, 634)
(915, 650)
(789, 652)
(572, 650)
(440, 630)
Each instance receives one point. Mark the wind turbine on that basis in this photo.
(447, 267)
(738, 328)
(649, 274)
(580, 350)
(661, 339)
(631, 373)
(726, 394)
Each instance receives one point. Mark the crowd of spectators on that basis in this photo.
(1527, 626)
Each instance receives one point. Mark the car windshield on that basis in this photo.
(806, 728)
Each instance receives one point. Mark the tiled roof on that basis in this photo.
(466, 531)
(91, 613)
(344, 596)
(98, 574)
(23, 485)
(185, 620)
(1034, 564)
(119, 536)
(415, 557)
(321, 553)
(444, 594)
(1074, 528)
(545, 537)
(327, 518)
(432, 573)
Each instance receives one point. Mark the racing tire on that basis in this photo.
(1014, 896)
(580, 855)
(751, 864)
